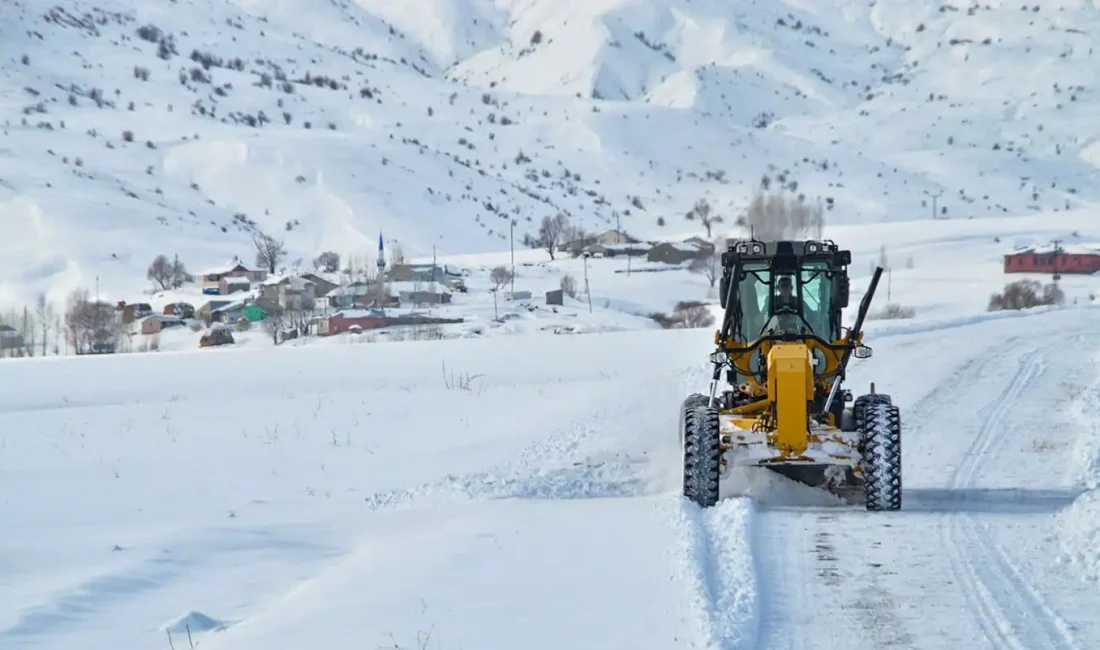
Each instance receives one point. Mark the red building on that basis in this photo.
(342, 321)
(1054, 260)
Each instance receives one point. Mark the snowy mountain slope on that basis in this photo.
(453, 117)
(515, 521)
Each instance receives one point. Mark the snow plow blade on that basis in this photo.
(839, 480)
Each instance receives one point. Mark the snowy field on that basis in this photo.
(306, 497)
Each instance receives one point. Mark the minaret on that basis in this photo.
(381, 273)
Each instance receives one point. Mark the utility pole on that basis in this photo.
(512, 251)
(935, 212)
(587, 290)
(1056, 245)
(619, 239)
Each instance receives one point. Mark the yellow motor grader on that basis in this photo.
(784, 354)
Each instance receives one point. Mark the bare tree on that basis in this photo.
(551, 232)
(160, 271)
(269, 251)
(705, 214)
(500, 276)
(91, 325)
(328, 261)
(300, 317)
(568, 285)
(708, 265)
(180, 276)
(46, 317)
(276, 324)
(778, 216)
(574, 239)
(75, 326)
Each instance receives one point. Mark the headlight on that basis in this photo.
(718, 358)
(758, 249)
(812, 247)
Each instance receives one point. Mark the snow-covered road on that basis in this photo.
(972, 561)
(526, 495)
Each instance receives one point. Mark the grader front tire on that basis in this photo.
(701, 455)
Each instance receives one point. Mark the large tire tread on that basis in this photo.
(702, 455)
(879, 424)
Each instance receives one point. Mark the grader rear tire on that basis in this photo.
(701, 455)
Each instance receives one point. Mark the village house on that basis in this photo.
(421, 293)
(596, 245)
(1081, 259)
(210, 281)
(290, 292)
(611, 237)
(133, 311)
(11, 340)
(349, 295)
(157, 322)
(181, 309)
(205, 313)
(345, 319)
(321, 285)
(258, 310)
(616, 250)
(419, 273)
(675, 253)
(233, 284)
(229, 313)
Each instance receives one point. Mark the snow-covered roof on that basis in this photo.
(359, 313)
(685, 247)
(1071, 249)
(424, 287)
(236, 304)
(165, 318)
(238, 279)
(353, 289)
(228, 267)
(297, 283)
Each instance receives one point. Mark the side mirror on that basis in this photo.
(863, 352)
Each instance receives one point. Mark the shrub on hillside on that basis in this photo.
(687, 314)
(893, 311)
(1025, 294)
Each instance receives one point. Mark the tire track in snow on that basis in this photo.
(991, 583)
(789, 579)
(722, 571)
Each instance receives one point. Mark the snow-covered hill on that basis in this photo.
(134, 128)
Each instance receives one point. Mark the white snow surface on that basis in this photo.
(304, 496)
(523, 491)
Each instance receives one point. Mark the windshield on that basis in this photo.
(770, 302)
(817, 298)
(753, 294)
